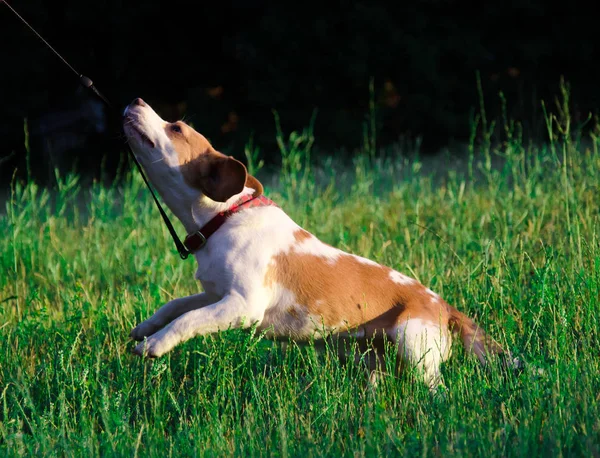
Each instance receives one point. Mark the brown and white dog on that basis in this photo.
(261, 268)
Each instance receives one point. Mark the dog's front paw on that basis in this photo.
(156, 345)
(148, 348)
(144, 329)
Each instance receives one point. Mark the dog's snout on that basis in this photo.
(136, 102)
(139, 102)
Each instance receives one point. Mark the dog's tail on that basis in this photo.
(476, 341)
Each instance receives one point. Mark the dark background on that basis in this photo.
(226, 65)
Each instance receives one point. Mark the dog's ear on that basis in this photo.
(252, 182)
(218, 176)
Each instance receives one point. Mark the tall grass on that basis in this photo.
(512, 239)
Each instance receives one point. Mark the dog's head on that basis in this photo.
(179, 161)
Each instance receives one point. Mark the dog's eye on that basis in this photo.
(175, 128)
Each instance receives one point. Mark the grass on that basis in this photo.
(512, 238)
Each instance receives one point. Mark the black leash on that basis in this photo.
(88, 84)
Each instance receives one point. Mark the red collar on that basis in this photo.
(197, 240)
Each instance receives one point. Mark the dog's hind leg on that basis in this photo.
(376, 365)
(425, 345)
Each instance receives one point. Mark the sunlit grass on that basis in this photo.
(512, 239)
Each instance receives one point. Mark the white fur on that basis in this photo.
(161, 162)
(424, 344)
(401, 279)
(366, 261)
(290, 319)
(313, 246)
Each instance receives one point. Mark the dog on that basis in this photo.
(259, 268)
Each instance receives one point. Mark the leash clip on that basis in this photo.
(202, 239)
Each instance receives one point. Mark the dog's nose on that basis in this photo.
(139, 102)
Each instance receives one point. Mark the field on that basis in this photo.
(510, 236)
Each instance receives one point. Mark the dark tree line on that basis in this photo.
(227, 65)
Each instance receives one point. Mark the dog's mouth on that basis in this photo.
(130, 123)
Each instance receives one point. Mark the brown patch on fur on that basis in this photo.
(218, 176)
(301, 235)
(351, 292)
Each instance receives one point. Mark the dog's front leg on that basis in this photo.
(230, 312)
(170, 311)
